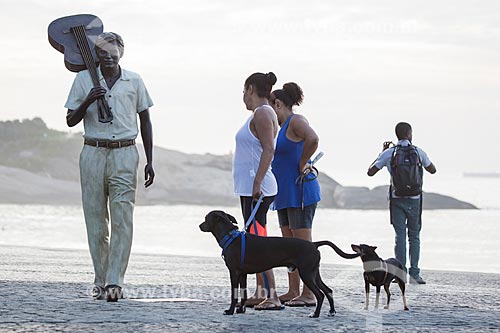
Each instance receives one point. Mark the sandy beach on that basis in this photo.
(47, 290)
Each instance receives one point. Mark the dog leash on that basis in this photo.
(247, 224)
(254, 212)
(301, 179)
(251, 220)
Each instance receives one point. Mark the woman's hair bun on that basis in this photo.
(271, 78)
(294, 92)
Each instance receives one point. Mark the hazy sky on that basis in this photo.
(363, 66)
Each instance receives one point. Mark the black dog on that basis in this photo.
(380, 272)
(263, 253)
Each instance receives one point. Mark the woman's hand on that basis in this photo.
(306, 169)
(256, 191)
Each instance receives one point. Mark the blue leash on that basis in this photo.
(252, 220)
(254, 212)
(302, 178)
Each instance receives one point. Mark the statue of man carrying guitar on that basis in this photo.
(108, 99)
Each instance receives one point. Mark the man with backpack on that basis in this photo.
(405, 162)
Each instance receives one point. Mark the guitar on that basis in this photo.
(75, 36)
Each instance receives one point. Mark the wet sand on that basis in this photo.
(47, 290)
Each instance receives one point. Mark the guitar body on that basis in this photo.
(75, 36)
(63, 40)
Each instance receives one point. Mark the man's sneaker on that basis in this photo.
(417, 280)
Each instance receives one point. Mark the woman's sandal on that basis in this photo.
(268, 305)
(298, 303)
(251, 305)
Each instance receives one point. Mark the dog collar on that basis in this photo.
(382, 266)
(228, 240)
(386, 269)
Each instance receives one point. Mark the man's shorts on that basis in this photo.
(258, 227)
(297, 218)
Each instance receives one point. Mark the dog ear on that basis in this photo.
(373, 248)
(356, 248)
(218, 214)
(232, 219)
(225, 217)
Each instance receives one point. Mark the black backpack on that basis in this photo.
(406, 171)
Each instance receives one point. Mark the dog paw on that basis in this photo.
(386, 307)
(228, 312)
(406, 308)
(313, 315)
(332, 313)
(241, 309)
(366, 308)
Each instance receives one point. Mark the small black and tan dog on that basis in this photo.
(379, 272)
(263, 253)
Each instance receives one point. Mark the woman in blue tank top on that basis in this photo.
(297, 198)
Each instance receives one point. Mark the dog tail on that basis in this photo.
(336, 248)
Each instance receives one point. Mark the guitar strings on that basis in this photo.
(83, 49)
(81, 37)
(86, 53)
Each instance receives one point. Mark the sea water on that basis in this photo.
(461, 240)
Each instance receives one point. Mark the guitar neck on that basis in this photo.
(104, 111)
(85, 51)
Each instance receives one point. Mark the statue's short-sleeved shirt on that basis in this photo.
(126, 98)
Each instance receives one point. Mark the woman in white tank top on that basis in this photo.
(251, 153)
(252, 175)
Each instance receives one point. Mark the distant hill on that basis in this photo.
(40, 165)
(482, 174)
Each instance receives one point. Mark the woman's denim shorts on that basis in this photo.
(297, 218)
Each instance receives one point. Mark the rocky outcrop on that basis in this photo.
(39, 165)
(364, 198)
